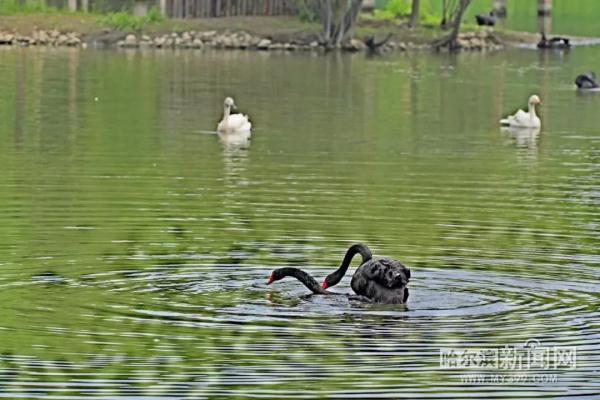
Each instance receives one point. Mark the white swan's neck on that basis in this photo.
(532, 113)
(226, 112)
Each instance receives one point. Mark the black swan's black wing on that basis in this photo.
(387, 272)
(382, 280)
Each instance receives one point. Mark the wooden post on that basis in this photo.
(544, 24)
(85, 5)
(72, 5)
(544, 7)
(140, 8)
(499, 8)
(177, 9)
(163, 8)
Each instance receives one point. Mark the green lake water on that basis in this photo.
(136, 246)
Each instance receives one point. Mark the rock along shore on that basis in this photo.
(483, 40)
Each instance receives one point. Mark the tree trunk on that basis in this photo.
(457, 21)
(452, 39)
(414, 13)
(338, 20)
(327, 17)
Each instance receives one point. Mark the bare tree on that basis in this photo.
(448, 8)
(338, 18)
(456, 13)
(414, 13)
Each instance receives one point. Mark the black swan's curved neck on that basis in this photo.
(335, 277)
(302, 276)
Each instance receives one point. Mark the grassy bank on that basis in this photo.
(90, 24)
(278, 28)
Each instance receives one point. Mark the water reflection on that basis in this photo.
(523, 137)
(234, 141)
(526, 140)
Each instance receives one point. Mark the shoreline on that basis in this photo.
(243, 33)
(240, 40)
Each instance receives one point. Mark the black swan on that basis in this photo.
(556, 42)
(381, 280)
(587, 81)
(486, 20)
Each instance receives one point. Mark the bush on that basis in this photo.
(394, 9)
(124, 21)
(154, 15)
(402, 9)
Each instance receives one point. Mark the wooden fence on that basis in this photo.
(183, 8)
(100, 6)
(224, 8)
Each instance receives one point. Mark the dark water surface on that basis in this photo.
(135, 248)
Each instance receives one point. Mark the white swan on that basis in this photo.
(233, 123)
(524, 119)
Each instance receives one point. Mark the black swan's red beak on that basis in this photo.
(324, 285)
(271, 279)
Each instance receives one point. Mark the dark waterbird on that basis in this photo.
(486, 20)
(381, 280)
(587, 81)
(374, 45)
(556, 42)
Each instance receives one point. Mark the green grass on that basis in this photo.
(124, 21)
(401, 9)
(116, 20)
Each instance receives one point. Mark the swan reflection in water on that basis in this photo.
(234, 141)
(526, 140)
(523, 137)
